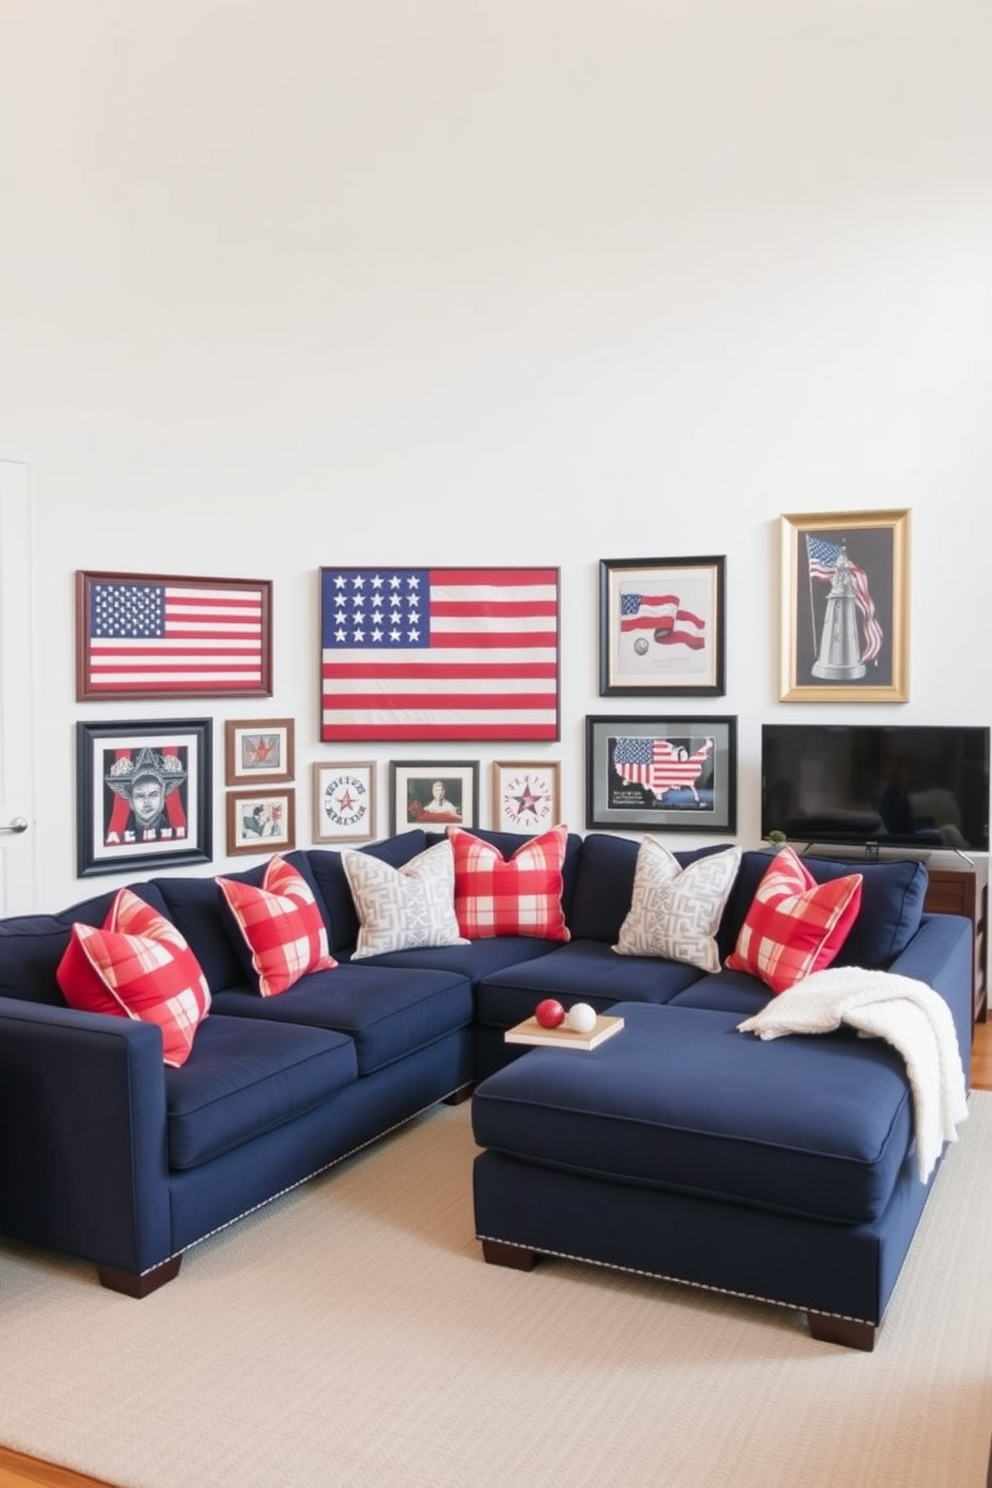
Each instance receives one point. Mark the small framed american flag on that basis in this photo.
(158, 635)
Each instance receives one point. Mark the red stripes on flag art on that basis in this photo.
(176, 636)
(823, 558)
(439, 654)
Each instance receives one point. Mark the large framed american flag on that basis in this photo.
(439, 654)
(662, 774)
(156, 635)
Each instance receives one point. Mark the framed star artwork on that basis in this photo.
(258, 750)
(344, 802)
(526, 795)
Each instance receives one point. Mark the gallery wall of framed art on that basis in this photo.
(387, 678)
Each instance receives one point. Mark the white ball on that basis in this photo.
(581, 1018)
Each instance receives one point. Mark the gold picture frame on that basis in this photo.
(845, 607)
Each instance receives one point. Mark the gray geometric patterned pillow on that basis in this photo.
(400, 909)
(674, 911)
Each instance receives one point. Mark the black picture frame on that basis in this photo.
(411, 788)
(662, 627)
(704, 801)
(111, 759)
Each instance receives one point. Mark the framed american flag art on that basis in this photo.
(662, 627)
(439, 654)
(157, 635)
(662, 774)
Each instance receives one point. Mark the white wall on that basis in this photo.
(286, 283)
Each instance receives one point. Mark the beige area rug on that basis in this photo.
(351, 1335)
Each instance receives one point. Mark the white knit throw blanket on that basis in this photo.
(909, 1015)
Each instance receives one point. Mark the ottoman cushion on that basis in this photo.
(818, 1126)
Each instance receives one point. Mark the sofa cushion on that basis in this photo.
(403, 908)
(675, 912)
(388, 1014)
(521, 895)
(582, 971)
(724, 992)
(794, 926)
(604, 884)
(892, 895)
(471, 958)
(137, 965)
(281, 925)
(31, 946)
(817, 1126)
(196, 906)
(327, 868)
(246, 1077)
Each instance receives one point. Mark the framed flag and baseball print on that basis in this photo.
(439, 654)
(154, 635)
(662, 774)
(845, 607)
(662, 627)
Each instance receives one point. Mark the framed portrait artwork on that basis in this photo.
(662, 774)
(260, 821)
(526, 796)
(344, 802)
(143, 795)
(845, 607)
(163, 635)
(259, 751)
(662, 627)
(435, 795)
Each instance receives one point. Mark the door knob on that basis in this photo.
(18, 824)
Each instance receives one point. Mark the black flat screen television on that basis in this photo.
(877, 785)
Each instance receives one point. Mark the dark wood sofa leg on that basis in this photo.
(138, 1285)
(517, 1257)
(848, 1332)
(461, 1094)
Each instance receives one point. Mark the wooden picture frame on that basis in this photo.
(526, 795)
(845, 607)
(260, 750)
(662, 627)
(415, 800)
(662, 774)
(164, 635)
(260, 822)
(143, 794)
(344, 801)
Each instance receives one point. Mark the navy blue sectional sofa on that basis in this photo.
(109, 1156)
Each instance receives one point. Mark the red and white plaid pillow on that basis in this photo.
(795, 926)
(281, 925)
(516, 896)
(137, 966)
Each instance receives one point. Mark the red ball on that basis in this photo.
(549, 1013)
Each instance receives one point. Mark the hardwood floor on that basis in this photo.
(17, 1471)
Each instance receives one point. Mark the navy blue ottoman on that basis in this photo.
(779, 1170)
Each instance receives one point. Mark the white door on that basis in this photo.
(17, 882)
